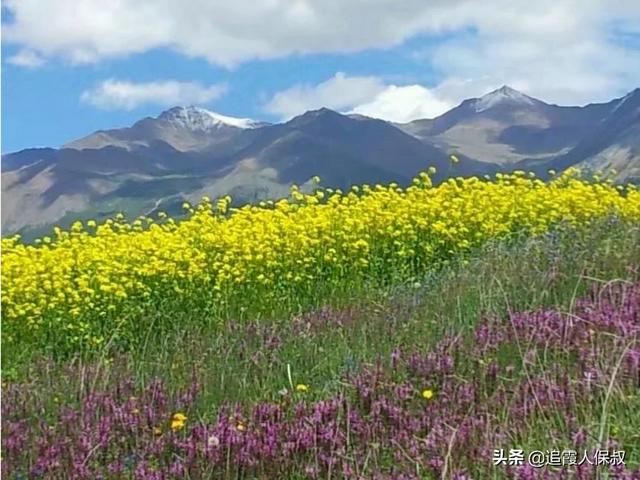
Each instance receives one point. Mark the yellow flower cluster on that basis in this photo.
(83, 283)
(302, 388)
(178, 420)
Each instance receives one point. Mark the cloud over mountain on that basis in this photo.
(340, 92)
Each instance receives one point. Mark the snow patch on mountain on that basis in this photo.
(504, 94)
(201, 119)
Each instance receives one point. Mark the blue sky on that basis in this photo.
(42, 106)
(70, 67)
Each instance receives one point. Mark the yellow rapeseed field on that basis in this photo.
(84, 283)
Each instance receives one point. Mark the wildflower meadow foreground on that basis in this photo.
(448, 331)
(417, 414)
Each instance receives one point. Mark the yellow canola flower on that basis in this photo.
(81, 286)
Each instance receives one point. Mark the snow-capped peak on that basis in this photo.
(196, 118)
(499, 96)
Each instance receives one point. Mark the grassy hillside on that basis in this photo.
(412, 365)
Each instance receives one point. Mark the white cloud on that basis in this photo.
(114, 94)
(559, 68)
(26, 58)
(368, 96)
(564, 51)
(223, 32)
(340, 92)
(404, 103)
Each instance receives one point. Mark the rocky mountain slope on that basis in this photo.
(506, 127)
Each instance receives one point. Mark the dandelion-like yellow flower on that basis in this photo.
(178, 421)
(427, 394)
(302, 388)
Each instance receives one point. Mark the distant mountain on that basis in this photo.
(506, 126)
(184, 128)
(187, 152)
(344, 150)
(613, 143)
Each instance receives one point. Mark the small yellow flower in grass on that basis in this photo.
(301, 387)
(427, 394)
(177, 421)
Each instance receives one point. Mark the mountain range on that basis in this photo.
(188, 152)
